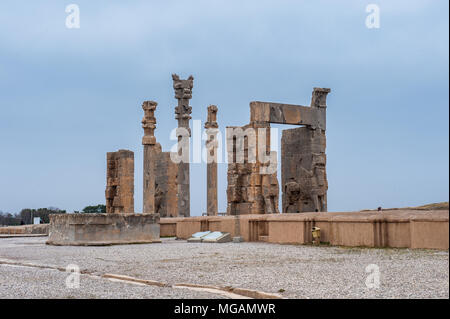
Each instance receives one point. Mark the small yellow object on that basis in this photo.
(316, 235)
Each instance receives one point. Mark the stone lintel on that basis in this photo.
(269, 112)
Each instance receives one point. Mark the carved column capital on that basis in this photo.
(149, 122)
(183, 93)
(319, 97)
(212, 117)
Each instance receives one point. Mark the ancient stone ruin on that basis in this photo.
(120, 182)
(212, 129)
(183, 93)
(252, 177)
(166, 184)
(303, 163)
(252, 170)
(252, 188)
(160, 172)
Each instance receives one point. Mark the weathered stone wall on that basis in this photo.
(303, 176)
(166, 201)
(396, 228)
(253, 186)
(120, 182)
(25, 229)
(103, 229)
(250, 189)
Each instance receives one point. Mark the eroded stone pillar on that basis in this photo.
(304, 177)
(120, 182)
(183, 93)
(303, 166)
(150, 152)
(211, 127)
(252, 184)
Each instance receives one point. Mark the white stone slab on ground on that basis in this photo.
(210, 237)
(217, 237)
(198, 237)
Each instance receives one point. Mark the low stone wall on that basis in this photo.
(25, 229)
(103, 229)
(168, 226)
(394, 228)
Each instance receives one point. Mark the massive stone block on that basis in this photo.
(252, 188)
(303, 176)
(120, 182)
(279, 113)
(103, 229)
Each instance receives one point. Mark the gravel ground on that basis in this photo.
(26, 283)
(294, 271)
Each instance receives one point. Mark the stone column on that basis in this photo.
(150, 149)
(183, 93)
(211, 127)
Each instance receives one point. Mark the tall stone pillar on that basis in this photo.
(211, 127)
(150, 153)
(183, 93)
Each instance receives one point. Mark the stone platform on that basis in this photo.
(390, 228)
(39, 229)
(103, 229)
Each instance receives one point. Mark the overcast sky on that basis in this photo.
(68, 96)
